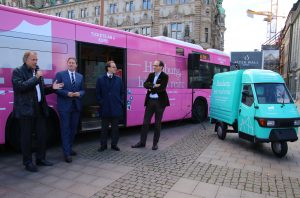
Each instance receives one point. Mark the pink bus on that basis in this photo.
(190, 68)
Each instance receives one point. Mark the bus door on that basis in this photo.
(91, 64)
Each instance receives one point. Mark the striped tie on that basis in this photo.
(72, 80)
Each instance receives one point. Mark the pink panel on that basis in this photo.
(180, 105)
(15, 19)
(150, 45)
(139, 65)
(100, 36)
(220, 59)
(63, 30)
(6, 106)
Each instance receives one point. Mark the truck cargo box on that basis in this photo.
(225, 96)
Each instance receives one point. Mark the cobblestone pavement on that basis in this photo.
(191, 162)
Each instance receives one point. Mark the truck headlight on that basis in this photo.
(271, 123)
(296, 122)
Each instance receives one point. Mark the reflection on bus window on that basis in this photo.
(272, 93)
(200, 76)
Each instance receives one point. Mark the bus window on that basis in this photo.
(179, 51)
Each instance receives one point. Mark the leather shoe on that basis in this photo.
(73, 153)
(116, 148)
(102, 148)
(31, 168)
(154, 147)
(43, 163)
(68, 159)
(138, 145)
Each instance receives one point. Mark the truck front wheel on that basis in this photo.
(279, 148)
(221, 130)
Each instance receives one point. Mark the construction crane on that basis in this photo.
(271, 18)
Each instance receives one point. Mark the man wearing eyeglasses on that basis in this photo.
(155, 102)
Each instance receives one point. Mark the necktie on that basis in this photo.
(72, 79)
(110, 76)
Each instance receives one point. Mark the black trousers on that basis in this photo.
(114, 121)
(27, 127)
(153, 107)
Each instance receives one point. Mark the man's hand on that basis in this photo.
(57, 85)
(157, 85)
(76, 94)
(38, 74)
(70, 94)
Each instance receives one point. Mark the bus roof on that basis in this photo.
(166, 40)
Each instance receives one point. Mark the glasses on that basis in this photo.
(156, 65)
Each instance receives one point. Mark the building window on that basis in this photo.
(128, 29)
(146, 4)
(112, 8)
(183, 1)
(207, 2)
(129, 6)
(206, 35)
(71, 14)
(146, 31)
(97, 11)
(83, 13)
(58, 14)
(176, 30)
(171, 1)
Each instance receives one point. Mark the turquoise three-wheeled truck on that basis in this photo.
(257, 105)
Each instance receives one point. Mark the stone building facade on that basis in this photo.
(195, 21)
(290, 50)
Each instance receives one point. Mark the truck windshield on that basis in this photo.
(272, 93)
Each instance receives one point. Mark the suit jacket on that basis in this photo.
(25, 96)
(110, 96)
(64, 102)
(160, 91)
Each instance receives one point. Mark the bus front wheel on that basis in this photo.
(280, 149)
(199, 112)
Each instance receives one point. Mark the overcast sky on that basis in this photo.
(244, 33)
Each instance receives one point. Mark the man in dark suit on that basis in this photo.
(31, 109)
(69, 105)
(110, 97)
(156, 101)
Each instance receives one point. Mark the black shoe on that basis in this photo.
(31, 168)
(68, 159)
(116, 148)
(154, 147)
(43, 163)
(138, 145)
(73, 153)
(102, 148)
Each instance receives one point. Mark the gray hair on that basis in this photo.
(27, 54)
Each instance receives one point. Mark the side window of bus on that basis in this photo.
(225, 69)
(217, 69)
(247, 95)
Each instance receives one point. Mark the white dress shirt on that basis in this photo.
(154, 82)
(38, 90)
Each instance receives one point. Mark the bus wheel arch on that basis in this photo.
(12, 130)
(199, 110)
(12, 133)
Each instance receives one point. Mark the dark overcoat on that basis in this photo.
(25, 96)
(110, 96)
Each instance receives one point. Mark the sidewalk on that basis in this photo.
(191, 162)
